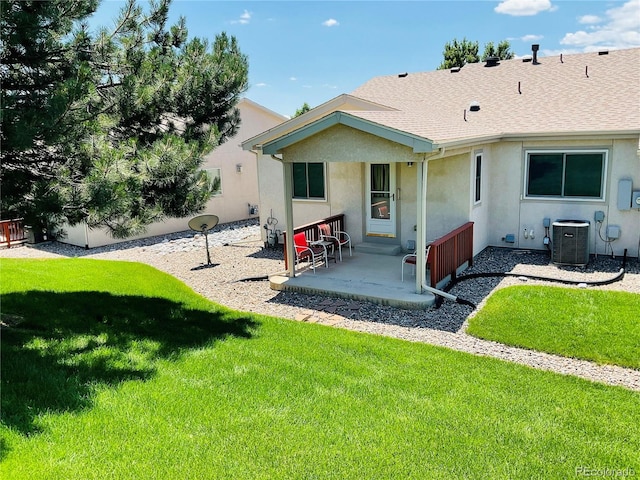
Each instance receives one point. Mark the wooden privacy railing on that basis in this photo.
(449, 252)
(311, 230)
(11, 231)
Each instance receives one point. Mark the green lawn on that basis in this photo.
(115, 370)
(597, 325)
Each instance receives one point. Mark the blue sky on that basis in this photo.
(312, 51)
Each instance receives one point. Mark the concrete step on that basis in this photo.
(378, 249)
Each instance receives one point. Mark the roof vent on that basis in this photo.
(474, 106)
(492, 61)
(455, 69)
(603, 52)
(534, 48)
(526, 58)
(402, 75)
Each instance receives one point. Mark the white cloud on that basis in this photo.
(531, 38)
(244, 18)
(589, 19)
(524, 8)
(548, 52)
(261, 84)
(619, 29)
(293, 79)
(332, 22)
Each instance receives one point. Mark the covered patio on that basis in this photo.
(374, 273)
(364, 276)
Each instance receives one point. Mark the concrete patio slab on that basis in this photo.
(363, 276)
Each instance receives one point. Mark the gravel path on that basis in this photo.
(238, 254)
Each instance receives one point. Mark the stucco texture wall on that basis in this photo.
(447, 195)
(345, 151)
(510, 212)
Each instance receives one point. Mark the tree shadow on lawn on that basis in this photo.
(64, 346)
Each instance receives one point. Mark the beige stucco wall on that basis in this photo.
(510, 212)
(480, 212)
(239, 189)
(450, 202)
(447, 195)
(345, 187)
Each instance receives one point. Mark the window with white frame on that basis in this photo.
(214, 177)
(571, 174)
(308, 181)
(477, 177)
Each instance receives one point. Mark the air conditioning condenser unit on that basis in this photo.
(570, 242)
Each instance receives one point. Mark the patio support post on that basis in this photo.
(287, 170)
(421, 200)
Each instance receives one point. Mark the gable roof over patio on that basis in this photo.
(416, 143)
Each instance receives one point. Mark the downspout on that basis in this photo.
(421, 261)
(421, 221)
(423, 264)
(421, 197)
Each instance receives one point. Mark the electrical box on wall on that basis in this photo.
(624, 194)
(613, 232)
(599, 216)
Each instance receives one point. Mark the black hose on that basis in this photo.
(619, 276)
(471, 276)
(462, 301)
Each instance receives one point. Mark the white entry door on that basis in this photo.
(381, 199)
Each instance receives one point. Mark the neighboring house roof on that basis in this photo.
(246, 101)
(569, 95)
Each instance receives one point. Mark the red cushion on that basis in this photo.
(300, 241)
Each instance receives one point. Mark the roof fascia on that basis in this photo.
(513, 137)
(417, 144)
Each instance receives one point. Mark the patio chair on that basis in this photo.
(411, 258)
(306, 251)
(337, 237)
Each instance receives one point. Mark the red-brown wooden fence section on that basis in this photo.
(311, 230)
(11, 231)
(449, 252)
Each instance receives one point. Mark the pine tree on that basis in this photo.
(110, 127)
(303, 109)
(502, 51)
(459, 53)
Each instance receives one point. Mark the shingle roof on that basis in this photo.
(582, 93)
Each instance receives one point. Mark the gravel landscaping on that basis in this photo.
(237, 255)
